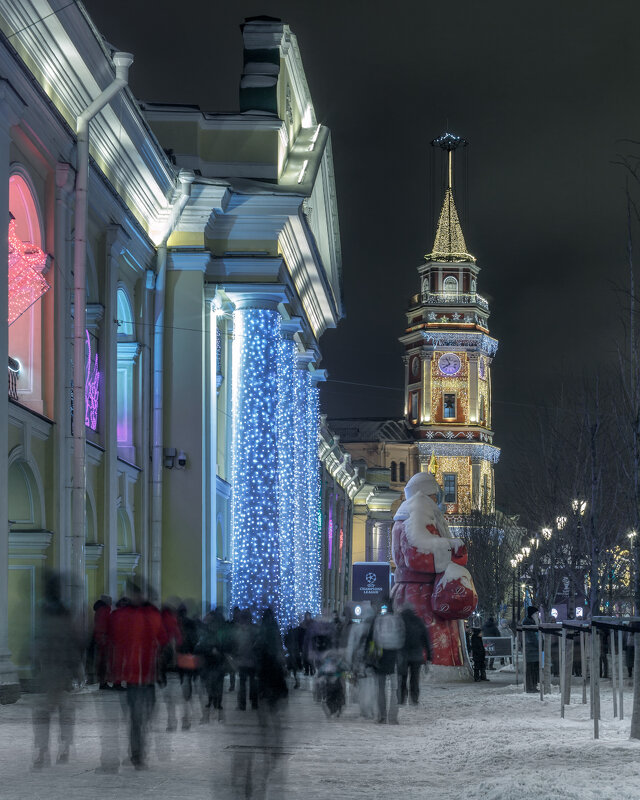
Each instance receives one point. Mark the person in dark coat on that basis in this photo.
(293, 639)
(100, 641)
(245, 633)
(414, 653)
(630, 652)
(479, 656)
(531, 653)
(214, 645)
(270, 662)
(490, 629)
(58, 661)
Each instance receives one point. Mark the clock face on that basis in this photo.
(449, 364)
(415, 367)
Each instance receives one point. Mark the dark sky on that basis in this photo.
(542, 91)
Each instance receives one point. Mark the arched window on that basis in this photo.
(27, 284)
(125, 315)
(450, 285)
(394, 472)
(403, 472)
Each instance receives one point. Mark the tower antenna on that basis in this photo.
(449, 142)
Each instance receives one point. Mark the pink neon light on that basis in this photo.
(91, 389)
(330, 532)
(26, 282)
(341, 543)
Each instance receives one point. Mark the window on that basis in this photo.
(450, 286)
(125, 315)
(27, 284)
(450, 487)
(449, 406)
(414, 406)
(485, 493)
(482, 411)
(403, 472)
(394, 472)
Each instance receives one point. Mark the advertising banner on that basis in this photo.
(370, 580)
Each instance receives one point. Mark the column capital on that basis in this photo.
(65, 178)
(290, 327)
(117, 241)
(266, 296)
(12, 106)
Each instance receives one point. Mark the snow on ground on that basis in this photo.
(483, 740)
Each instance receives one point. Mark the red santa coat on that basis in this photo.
(137, 633)
(430, 576)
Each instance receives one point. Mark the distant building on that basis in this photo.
(446, 427)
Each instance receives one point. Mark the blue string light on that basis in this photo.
(275, 473)
(254, 506)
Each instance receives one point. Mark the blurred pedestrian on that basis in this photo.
(490, 629)
(168, 678)
(58, 654)
(362, 673)
(137, 634)
(245, 634)
(479, 655)
(100, 640)
(293, 641)
(386, 642)
(414, 653)
(214, 645)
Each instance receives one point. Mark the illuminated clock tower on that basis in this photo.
(448, 356)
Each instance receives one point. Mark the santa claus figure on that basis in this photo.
(430, 574)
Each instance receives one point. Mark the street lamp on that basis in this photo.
(547, 532)
(561, 522)
(579, 507)
(634, 543)
(514, 565)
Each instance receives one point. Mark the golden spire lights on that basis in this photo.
(449, 244)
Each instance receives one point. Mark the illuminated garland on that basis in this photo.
(26, 282)
(287, 495)
(275, 473)
(91, 388)
(254, 505)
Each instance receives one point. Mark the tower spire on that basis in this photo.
(449, 244)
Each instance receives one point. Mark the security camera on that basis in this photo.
(182, 459)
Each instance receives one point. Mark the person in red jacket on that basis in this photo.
(137, 635)
(101, 655)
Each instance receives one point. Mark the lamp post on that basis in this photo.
(519, 557)
(633, 548)
(514, 566)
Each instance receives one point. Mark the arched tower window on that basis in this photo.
(450, 286)
(27, 284)
(403, 472)
(394, 472)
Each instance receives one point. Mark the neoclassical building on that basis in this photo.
(170, 274)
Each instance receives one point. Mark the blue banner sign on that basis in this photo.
(370, 580)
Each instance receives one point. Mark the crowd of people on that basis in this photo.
(169, 654)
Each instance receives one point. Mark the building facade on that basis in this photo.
(166, 294)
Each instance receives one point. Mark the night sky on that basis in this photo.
(544, 92)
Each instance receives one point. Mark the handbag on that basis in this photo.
(188, 661)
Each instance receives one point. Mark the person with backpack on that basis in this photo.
(386, 641)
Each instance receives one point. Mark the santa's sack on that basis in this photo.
(388, 632)
(454, 595)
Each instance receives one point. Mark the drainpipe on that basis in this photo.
(122, 63)
(186, 178)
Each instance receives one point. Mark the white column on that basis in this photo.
(115, 245)
(65, 177)
(474, 411)
(11, 108)
(425, 413)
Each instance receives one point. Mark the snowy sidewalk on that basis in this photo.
(484, 741)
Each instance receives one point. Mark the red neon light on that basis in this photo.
(26, 282)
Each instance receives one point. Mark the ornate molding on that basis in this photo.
(486, 452)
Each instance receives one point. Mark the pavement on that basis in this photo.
(460, 741)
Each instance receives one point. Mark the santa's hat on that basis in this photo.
(421, 483)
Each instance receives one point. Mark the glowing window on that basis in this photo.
(450, 487)
(125, 315)
(449, 406)
(450, 285)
